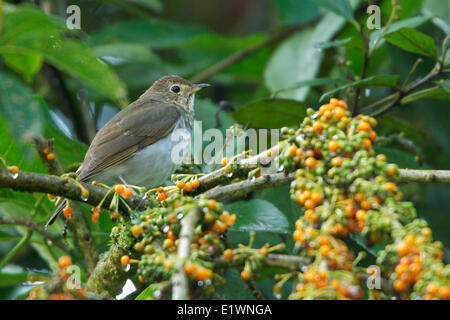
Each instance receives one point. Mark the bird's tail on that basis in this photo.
(55, 214)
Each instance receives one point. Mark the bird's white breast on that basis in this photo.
(151, 166)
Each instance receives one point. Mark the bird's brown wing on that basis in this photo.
(141, 124)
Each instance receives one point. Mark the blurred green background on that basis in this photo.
(66, 84)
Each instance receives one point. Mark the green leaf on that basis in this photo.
(155, 33)
(127, 52)
(413, 41)
(436, 92)
(297, 60)
(11, 275)
(258, 215)
(339, 7)
(29, 31)
(309, 83)
(148, 293)
(17, 104)
(376, 37)
(26, 64)
(294, 11)
(374, 81)
(155, 5)
(331, 44)
(271, 113)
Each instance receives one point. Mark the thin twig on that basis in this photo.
(16, 248)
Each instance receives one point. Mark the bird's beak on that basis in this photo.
(199, 87)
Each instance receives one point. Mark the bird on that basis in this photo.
(135, 146)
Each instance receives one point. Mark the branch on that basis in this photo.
(37, 182)
(180, 284)
(242, 188)
(240, 55)
(109, 276)
(35, 226)
(409, 175)
(272, 260)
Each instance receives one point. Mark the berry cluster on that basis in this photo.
(345, 188)
(156, 235)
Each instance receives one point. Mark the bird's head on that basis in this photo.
(176, 90)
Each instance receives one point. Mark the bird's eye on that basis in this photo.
(175, 89)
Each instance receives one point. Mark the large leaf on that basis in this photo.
(294, 11)
(126, 52)
(297, 60)
(271, 113)
(11, 275)
(258, 215)
(155, 33)
(27, 64)
(413, 41)
(28, 31)
(374, 81)
(376, 37)
(339, 7)
(19, 107)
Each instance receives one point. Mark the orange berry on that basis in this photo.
(409, 240)
(68, 213)
(367, 143)
(125, 260)
(333, 146)
(224, 161)
(246, 275)
(51, 156)
(228, 254)
(323, 241)
(432, 289)
(317, 127)
(361, 215)
(403, 249)
(46, 151)
(366, 205)
(399, 285)
(373, 135)
(212, 204)
(95, 214)
(391, 170)
(196, 183)
(389, 186)
(14, 169)
(188, 187)
(310, 215)
(336, 162)
(325, 250)
(168, 243)
(334, 102)
(343, 104)
(189, 268)
(136, 230)
(364, 126)
(339, 113)
(162, 196)
(350, 210)
(118, 188)
(180, 184)
(444, 292)
(316, 197)
(310, 204)
(64, 261)
(127, 193)
(292, 150)
(400, 269)
(298, 236)
(311, 162)
(202, 274)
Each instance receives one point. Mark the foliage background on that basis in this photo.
(66, 84)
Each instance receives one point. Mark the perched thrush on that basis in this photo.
(135, 146)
